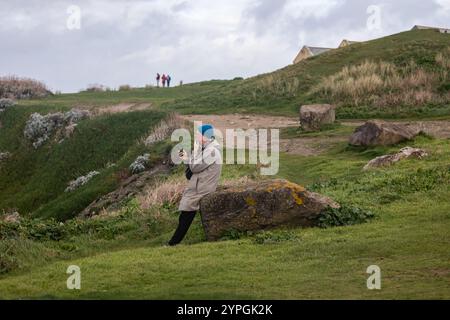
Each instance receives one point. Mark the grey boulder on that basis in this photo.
(377, 132)
(314, 116)
(261, 205)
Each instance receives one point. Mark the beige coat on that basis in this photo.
(206, 174)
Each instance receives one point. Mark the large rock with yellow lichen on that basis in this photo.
(261, 205)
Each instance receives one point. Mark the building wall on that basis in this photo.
(302, 55)
(344, 43)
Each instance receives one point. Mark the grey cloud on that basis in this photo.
(250, 37)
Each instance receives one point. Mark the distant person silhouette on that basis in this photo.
(168, 80)
(158, 76)
(164, 78)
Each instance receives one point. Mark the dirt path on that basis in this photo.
(240, 121)
(117, 108)
(307, 146)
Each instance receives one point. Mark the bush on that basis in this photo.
(343, 216)
(22, 88)
(140, 164)
(80, 181)
(6, 103)
(95, 88)
(124, 87)
(39, 128)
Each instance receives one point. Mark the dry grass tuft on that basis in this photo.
(383, 84)
(169, 191)
(165, 129)
(276, 85)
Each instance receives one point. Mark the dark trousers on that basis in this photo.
(184, 222)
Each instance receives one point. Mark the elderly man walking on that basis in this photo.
(203, 172)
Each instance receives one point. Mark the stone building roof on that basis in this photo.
(420, 27)
(318, 50)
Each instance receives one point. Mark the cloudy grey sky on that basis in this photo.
(128, 41)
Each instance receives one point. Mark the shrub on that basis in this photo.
(81, 181)
(124, 87)
(343, 216)
(39, 128)
(6, 103)
(140, 164)
(22, 88)
(95, 88)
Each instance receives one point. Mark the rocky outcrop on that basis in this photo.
(376, 132)
(80, 181)
(140, 164)
(313, 117)
(40, 128)
(128, 189)
(390, 159)
(261, 205)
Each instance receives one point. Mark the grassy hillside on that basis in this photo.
(283, 91)
(121, 253)
(33, 181)
(121, 256)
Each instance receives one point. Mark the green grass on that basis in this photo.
(121, 256)
(332, 130)
(33, 181)
(155, 96)
(283, 91)
(408, 239)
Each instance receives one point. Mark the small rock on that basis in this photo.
(261, 205)
(140, 164)
(390, 159)
(80, 181)
(314, 116)
(376, 132)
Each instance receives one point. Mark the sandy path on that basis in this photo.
(240, 121)
(117, 108)
(307, 146)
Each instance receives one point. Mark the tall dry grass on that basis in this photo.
(14, 87)
(276, 85)
(383, 84)
(165, 128)
(169, 191)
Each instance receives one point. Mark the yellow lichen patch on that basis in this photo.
(250, 201)
(277, 185)
(297, 199)
(294, 187)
